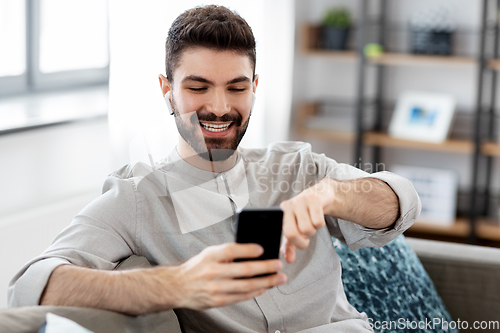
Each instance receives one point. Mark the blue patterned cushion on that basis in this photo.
(390, 283)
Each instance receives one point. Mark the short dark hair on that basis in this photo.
(212, 26)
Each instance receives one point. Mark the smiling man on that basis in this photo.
(180, 213)
(217, 88)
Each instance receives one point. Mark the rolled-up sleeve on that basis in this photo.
(99, 237)
(357, 236)
(28, 284)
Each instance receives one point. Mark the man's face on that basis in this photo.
(212, 99)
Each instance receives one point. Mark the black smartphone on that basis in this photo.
(261, 226)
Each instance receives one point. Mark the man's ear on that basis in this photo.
(166, 91)
(255, 82)
(164, 84)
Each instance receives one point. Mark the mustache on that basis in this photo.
(209, 116)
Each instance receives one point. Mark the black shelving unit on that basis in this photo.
(482, 165)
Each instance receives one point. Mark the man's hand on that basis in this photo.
(212, 279)
(304, 214)
(366, 201)
(209, 279)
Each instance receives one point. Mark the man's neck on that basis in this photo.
(190, 156)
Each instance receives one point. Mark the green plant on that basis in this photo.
(337, 17)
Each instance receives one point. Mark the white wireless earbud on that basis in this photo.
(253, 101)
(169, 105)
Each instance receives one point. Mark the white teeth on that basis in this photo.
(215, 127)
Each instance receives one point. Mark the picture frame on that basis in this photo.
(422, 116)
(437, 189)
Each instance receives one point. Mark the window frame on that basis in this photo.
(33, 80)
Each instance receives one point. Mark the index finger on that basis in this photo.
(292, 232)
(230, 251)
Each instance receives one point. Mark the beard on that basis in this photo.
(214, 149)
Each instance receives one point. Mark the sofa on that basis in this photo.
(466, 278)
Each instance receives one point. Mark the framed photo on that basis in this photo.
(437, 189)
(422, 116)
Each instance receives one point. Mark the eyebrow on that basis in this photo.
(239, 79)
(203, 80)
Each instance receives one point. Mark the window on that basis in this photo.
(52, 44)
(54, 62)
(13, 41)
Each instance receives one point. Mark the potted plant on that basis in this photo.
(335, 28)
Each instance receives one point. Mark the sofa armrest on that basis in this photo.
(30, 319)
(466, 277)
(133, 262)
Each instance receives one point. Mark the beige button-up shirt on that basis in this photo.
(170, 212)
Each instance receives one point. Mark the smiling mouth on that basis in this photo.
(216, 127)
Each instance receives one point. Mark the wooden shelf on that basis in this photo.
(397, 59)
(494, 64)
(460, 228)
(310, 109)
(311, 36)
(336, 136)
(485, 229)
(400, 59)
(488, 229)
(350, 56)
(307, 110)
(491, 149)
(385, 140)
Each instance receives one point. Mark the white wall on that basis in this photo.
(48, 176)
(53, 163)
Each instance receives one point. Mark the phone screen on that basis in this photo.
(261, 226)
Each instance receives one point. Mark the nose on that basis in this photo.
(218, 104)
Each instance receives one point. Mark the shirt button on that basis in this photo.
(277, 331)
(223, 176)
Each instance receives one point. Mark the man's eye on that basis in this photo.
(197, 89)
(237, 89)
